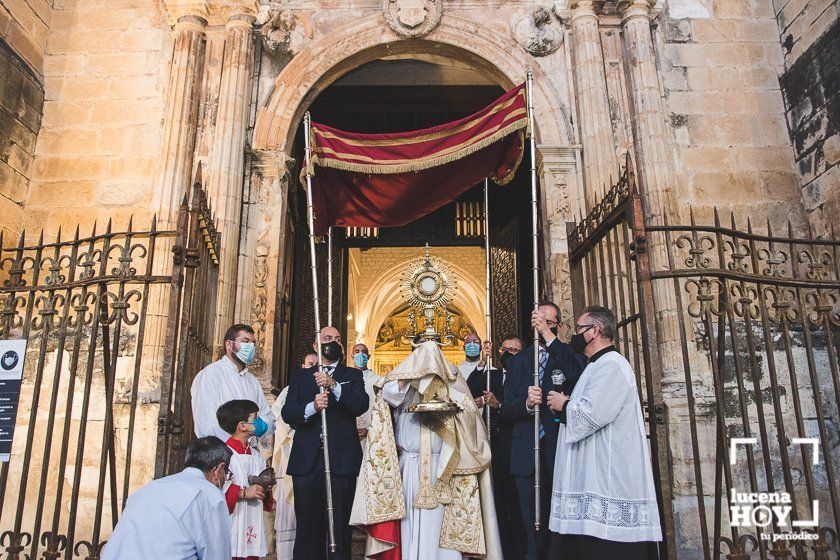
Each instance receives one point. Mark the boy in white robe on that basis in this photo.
(603, 497)
(246, 503)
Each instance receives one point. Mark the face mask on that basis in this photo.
(579, 343)
(246, 352)
(504, 359)
(361, 360)
(472, 349)
(331, 351)
(554, 331)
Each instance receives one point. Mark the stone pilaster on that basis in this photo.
(562, 197)
(599, 159)
(263, 250)
(174, 172)
(175, 162)
(226, 164)
(653, 151)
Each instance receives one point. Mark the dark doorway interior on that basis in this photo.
(395, 108)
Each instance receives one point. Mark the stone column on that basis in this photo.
(262, 274)
(653, 154)
(599, 160)
(227, 158)
(175, 163)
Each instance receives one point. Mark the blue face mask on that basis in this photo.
(246, 352)
(361, 360)
(472, 349)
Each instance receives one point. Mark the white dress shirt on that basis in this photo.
(219, 383)
(178, 517)
(336, 391)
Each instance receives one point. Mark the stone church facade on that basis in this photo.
(108, 108)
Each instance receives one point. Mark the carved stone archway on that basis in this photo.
(333, 55)
(327, 58)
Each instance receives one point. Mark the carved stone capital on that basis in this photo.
(221, 12)
(635, 8)
(571, 9)
(186, 10)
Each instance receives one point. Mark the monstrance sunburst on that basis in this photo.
(428, 288)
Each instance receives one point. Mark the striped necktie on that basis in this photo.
(543, 361)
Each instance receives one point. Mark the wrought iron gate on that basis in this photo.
(734, 336)
(105, 316)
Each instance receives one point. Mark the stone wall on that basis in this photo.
(95, 155)
(23, 39)
(719, 62)
(810, 36)
(21, 102)
(25, 24)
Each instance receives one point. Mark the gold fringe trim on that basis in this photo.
(422, 164)
(502, 181)
(434, 135)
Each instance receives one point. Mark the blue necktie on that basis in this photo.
(543, 361)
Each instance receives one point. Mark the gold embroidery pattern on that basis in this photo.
(384, 498)
(462, 528)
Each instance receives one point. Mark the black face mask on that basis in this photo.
(331, 351)
(504, 359)
(579, 343)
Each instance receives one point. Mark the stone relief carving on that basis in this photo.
(412, 18)
(538, 33)
(276, 31)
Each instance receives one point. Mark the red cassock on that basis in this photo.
(383, 180)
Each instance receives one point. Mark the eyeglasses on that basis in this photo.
(228, 474)
(552, 323)
(584, 327)
(511, 350)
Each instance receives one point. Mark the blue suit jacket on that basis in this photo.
(520, 376)
(345, 448)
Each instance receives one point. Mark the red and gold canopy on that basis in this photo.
(381, 180)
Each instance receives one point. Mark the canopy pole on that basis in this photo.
(307, 125)
(535, 237)
(330, 277)
(488, 322)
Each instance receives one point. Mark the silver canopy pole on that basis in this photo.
(488, 322)
(535, 236)
(307, 125)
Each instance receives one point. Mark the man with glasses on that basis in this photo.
(604, 500)
(511, 529)
(521, 395)
(183, 516)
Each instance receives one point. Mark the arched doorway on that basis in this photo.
(484, 64)
(394, 94)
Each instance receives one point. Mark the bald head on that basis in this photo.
(328, 334)
(472, 337)
(360, 349)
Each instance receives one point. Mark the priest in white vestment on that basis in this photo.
(284, 520)
(603, 498)
(440, 495)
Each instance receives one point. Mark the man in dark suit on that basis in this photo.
(511, 529)
(344, 400)
(555, 358)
